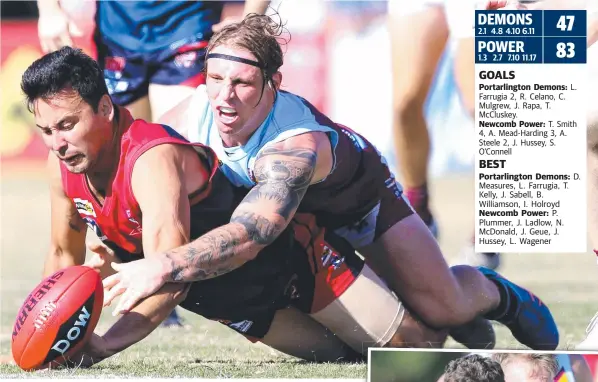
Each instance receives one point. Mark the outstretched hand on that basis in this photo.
(133, 281)
(504, 4)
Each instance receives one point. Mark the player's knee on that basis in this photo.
(408, 108)
(451, 308)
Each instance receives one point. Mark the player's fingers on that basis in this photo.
(99, 248)
(492, 5)
(113, 293)
(110, 289)
(118, 266)
(43, 45)
(126, 303)
(51, 45)
(65, 39)
(111, 281)
(96, 262)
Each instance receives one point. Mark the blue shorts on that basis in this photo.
(128, 73)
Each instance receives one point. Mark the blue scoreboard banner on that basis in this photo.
(530, 123)
(530, 37)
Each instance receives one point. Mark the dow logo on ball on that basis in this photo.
(57, 318)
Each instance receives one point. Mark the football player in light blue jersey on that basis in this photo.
(292, 158)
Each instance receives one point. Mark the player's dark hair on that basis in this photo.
(261, 36)
(473, 368)
(64, 69)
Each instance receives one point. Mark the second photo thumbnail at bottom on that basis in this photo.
(419, 365)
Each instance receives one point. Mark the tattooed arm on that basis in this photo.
(67, 241)
(283, 172)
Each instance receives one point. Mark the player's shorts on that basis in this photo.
(328, 281)
(341, 292)
(128, 74)
(247, 298)
(387, 203)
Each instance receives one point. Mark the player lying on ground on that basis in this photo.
(143, 190)
(293, 158)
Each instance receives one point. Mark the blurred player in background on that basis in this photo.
(152, 52)
(419, 32)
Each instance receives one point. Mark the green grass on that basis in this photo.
(566, 282)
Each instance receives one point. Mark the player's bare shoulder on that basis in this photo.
(187, 114)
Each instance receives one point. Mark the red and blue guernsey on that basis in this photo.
(250, 293)
(150, 26)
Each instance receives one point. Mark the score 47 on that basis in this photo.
(565, 37)
(565, 23)
(565, 49)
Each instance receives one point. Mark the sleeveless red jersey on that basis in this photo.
(256, 289)
(117, 222)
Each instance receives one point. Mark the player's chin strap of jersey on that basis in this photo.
(244, 61)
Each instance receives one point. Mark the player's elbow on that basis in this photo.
(261, 231)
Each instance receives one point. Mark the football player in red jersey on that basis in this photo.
(144, 189)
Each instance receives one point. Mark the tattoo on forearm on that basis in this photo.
(207, 257)
(283, 177)
(260, 230)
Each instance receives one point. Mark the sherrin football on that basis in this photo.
(57, 318)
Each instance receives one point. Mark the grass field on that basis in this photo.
(566, 282)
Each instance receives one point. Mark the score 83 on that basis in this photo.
(565, 49)
(564, 40)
